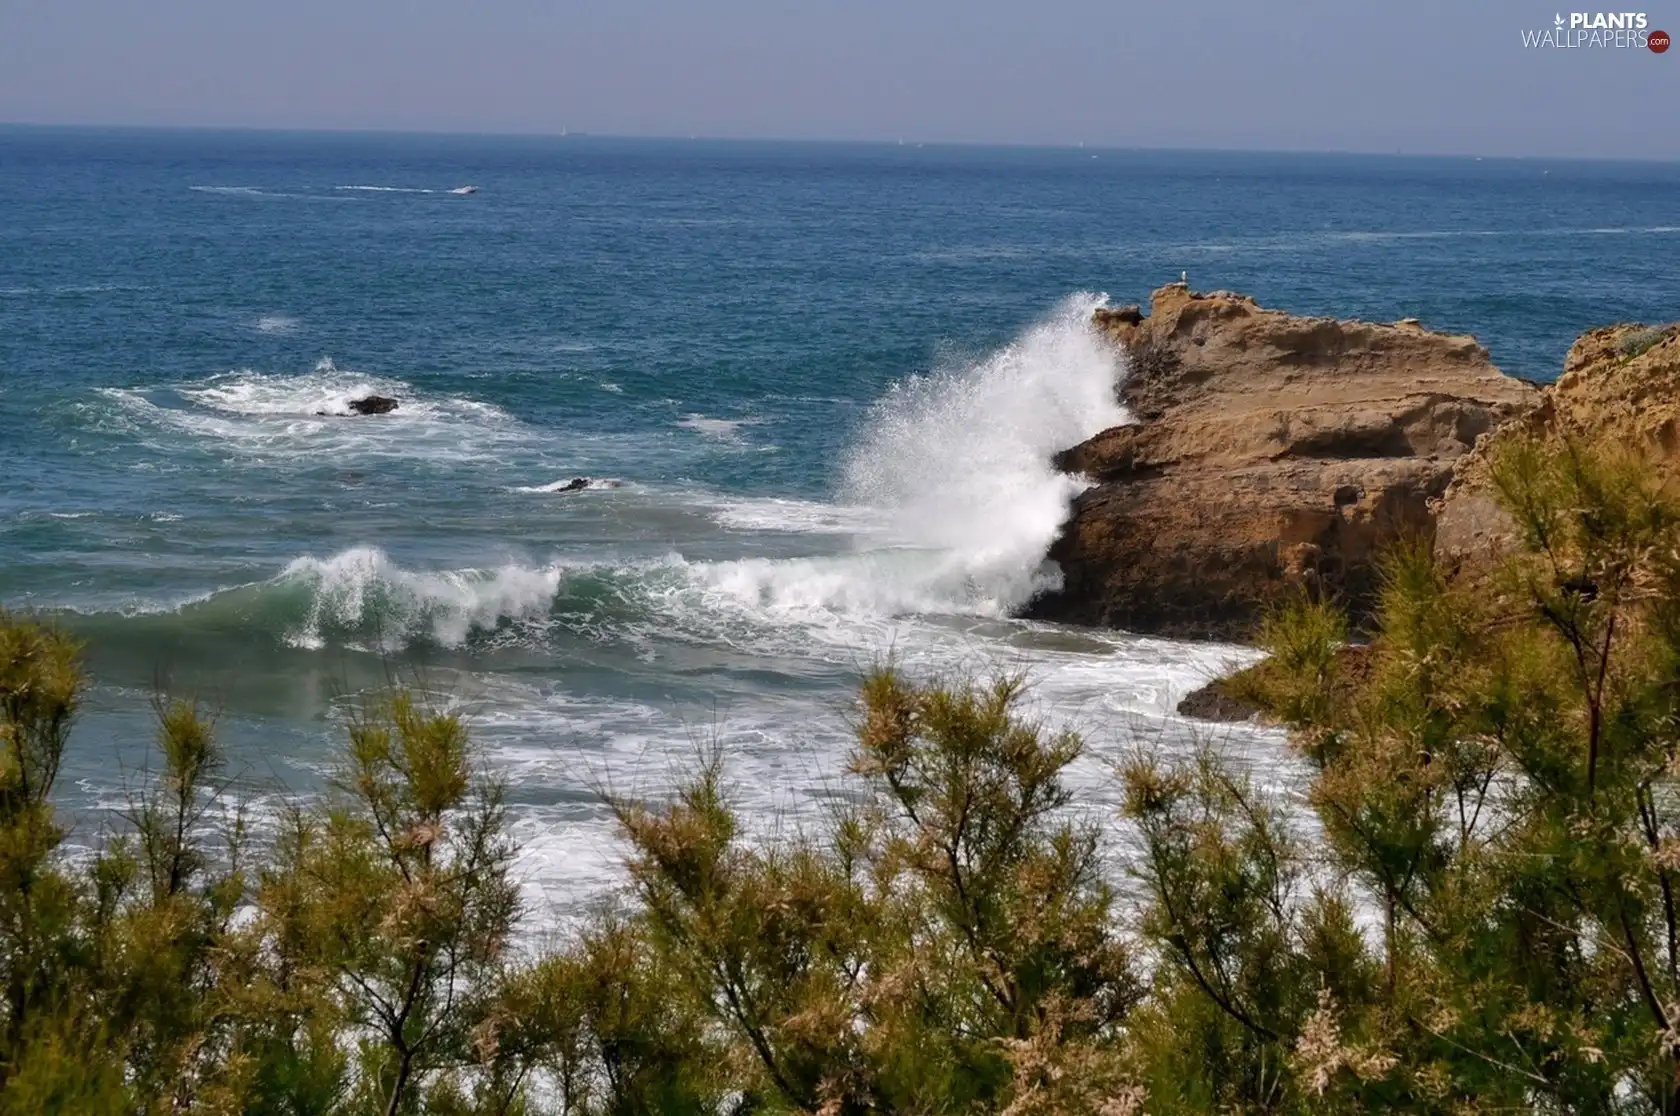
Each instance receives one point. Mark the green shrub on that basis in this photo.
(1640, 342)
(1470, 906)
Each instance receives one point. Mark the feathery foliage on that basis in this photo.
(1467, 904)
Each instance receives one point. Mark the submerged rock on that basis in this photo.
(1215, 702)
(373, 405)
(1269, 452)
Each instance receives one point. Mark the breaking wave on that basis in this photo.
(960, 460)
(948, 503)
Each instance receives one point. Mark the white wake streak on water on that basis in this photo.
(388, 189)
(407, 190)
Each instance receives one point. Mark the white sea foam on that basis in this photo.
(806, 517)
(718, 429)
(276, 323)
(328, 388)
(307, 417)
(950, 502)
(785, 752)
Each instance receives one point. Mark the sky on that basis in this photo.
(1350, 75)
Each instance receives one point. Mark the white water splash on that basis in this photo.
(361, 594)
(959, 460)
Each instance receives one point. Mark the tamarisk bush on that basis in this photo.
(1467, 902)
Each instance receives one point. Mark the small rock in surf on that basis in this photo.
(373, 405)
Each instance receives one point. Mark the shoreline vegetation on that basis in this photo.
(1472, 909)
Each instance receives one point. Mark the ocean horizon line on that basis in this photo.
(906, 142)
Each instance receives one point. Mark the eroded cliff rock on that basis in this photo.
(1621, 382)
(1269, 451)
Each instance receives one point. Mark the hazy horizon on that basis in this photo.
(1299, 76)
(1000, 145)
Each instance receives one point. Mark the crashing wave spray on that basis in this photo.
(950, 501)
(956, 467)
(960, 459)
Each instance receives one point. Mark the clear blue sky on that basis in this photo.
(1292, 74)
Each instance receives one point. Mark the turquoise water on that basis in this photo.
(818, 383)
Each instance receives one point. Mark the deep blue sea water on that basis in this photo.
(819, 383)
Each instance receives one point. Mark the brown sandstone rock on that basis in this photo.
(1270, 451)
(1621, 381)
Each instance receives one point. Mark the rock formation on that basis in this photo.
(1269, 451)
(373, 405)
(1622, 381)
(1215, 702)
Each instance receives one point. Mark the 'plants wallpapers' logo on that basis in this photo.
(1598, 30)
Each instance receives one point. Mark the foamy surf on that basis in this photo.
(933, 520)
(936, 535)
(292, 419)
(717, 429)
(326, 389)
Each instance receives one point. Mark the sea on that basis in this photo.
(815, 389)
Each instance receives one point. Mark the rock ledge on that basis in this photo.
(1268, 452)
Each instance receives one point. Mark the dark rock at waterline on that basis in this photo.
(577, 484)
(373, 405)
(1214, 702)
